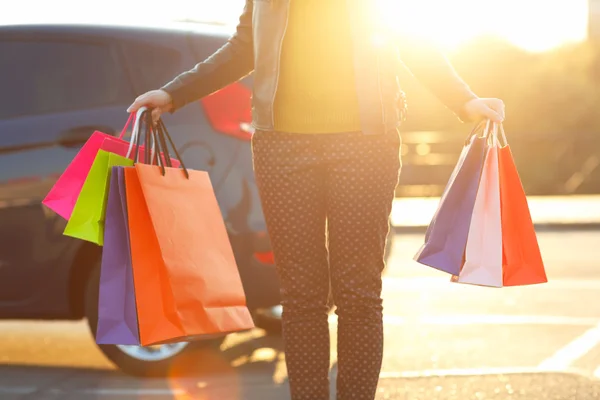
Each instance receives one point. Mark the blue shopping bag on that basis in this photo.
(446, 236)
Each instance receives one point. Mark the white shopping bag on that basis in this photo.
(483, 253)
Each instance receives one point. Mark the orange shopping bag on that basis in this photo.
(186, 280)
(521, 258)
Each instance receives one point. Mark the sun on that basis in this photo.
(534, 25)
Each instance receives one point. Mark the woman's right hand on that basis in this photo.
(158, 100)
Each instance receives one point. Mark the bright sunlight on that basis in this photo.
(534, 25)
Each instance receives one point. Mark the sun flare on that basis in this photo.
(534, 25)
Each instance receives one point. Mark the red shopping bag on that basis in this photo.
(522, 261)
(186, 279)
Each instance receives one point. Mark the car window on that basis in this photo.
(152, 66)
(204, 45)
(46, 77)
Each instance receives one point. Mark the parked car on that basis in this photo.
(59, 84)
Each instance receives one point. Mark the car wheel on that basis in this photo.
(268, 319)
(150, 361)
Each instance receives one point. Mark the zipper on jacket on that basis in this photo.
(287, 20)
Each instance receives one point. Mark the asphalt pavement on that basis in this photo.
(443, 341)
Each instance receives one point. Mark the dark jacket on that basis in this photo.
(256, 47)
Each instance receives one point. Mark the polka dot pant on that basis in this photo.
(327, 200)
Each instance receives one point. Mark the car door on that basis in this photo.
(56, 90)
(155, 59)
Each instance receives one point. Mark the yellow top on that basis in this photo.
(316, 92)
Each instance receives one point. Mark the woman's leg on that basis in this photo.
(363, 174)
(291, 182)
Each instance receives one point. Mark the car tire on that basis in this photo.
(268, 321)
(152, 361)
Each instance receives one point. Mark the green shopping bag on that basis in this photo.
(87, 219)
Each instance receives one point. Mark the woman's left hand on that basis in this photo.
(492, 109)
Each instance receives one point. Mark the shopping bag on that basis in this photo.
(447, 233)
(117, 314)
(62, 197)
(134, 149)
(87, 219)
(483, 254)
(186, 279)
(65, 192)
(522, 260)
(457, 168)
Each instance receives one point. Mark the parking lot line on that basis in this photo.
(420, 283)
(133, 392)
(24, 390)
(572, 351)
(476, 372)
(485, 319)
(18, 390)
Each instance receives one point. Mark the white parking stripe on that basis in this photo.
(97, 391)
(420, 283)
(566, 356)
(485, 319)
(18, 390)
(134, 392)
(474, 371)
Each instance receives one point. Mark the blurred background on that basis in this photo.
(541, 57)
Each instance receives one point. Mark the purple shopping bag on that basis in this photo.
(117, 313)
(446, 236)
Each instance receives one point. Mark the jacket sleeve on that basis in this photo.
(431, 67)
(229, 64)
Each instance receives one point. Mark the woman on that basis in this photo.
(326, 108)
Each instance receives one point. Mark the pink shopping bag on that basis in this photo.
(62, 197)
(483, 253)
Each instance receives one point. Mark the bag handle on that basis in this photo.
(481, 126)
(491, 133)
(489, 130)
(504, 141)
(129, 120)
(151, 152)
(136, 129)
(162, 132)
(136, 140)
(496, 136)
(145, 124)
